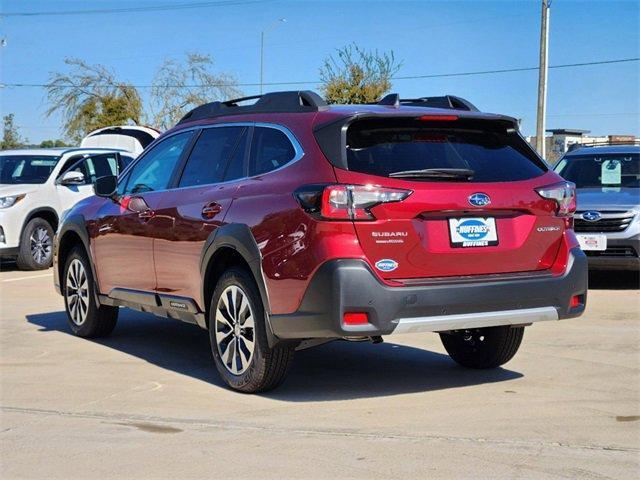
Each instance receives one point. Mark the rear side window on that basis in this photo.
(494, 154)
(270, 149)
(209, 159)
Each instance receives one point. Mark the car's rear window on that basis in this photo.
(494, 154)
(595, 171)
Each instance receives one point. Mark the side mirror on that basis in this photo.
(105, 186)
(72, 178)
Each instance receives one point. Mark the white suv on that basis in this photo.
(37, 186)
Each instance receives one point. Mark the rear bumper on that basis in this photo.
(341, 286)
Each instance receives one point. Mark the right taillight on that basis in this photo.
(347, 202)
(564, 194)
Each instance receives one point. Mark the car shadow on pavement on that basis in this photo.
(335, 371)
(614, 280)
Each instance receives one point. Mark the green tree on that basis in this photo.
(10, 135)
(91, 97)
(356, 75)
(179, 86)
(53, 144)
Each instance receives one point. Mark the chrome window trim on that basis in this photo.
(297, 148)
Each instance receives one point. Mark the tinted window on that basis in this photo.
(96, 166)
(16, 169)
(597, 171)
(210, 156)
(270, 149)
(381, 147)
(153, 171)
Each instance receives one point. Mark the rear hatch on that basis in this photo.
(471, 207)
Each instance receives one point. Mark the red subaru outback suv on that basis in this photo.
(288, 223)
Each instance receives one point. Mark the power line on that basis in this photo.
(156, 8)
(410, 77)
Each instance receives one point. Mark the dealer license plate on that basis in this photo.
(473, 232)
(592, 242)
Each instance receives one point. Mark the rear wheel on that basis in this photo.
(86, 318)
(36, 245)
(237, 331)
(483, 347)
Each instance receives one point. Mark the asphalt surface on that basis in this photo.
(147, 403)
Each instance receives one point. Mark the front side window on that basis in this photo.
(153, 171)
(597, 171)
(270, 149)
(209, 160)
(33, 169)
(96, 166)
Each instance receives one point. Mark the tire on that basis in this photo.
(86, 319)
(36, 245)
(483, 347)
(237, 317)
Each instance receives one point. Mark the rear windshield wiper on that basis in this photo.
(438, 173)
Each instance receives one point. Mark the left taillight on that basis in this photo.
(564, 194)
(346, 202)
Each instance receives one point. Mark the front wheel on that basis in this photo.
(86, 317)
(483, 347)
(36, 245)
(237, 331)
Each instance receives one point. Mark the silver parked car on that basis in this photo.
(607, 221)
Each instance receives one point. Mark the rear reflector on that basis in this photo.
(356, 318)
(576, 301)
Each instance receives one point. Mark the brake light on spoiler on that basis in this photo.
(346, 202)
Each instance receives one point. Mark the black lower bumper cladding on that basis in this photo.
(341, 286)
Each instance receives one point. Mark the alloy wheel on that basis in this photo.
(235, 330)
(40, 243)
(77, 292)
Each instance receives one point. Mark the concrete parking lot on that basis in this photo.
(147, 403)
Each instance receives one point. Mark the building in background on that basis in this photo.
(562, 139)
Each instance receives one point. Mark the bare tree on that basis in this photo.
(357, 75)
(180, 86)
(90, 97)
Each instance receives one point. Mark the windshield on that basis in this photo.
(16, 169)
(596, 171)
(387, 147)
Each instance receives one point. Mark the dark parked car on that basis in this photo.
(287, 223)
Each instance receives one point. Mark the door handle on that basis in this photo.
(210, 210)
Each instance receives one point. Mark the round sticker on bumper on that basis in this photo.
(386, 265)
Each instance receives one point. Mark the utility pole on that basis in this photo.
(542, 79)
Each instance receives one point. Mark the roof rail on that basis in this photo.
(275, 102)
(610, 143)
(447, 101)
